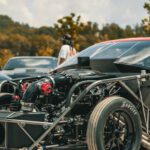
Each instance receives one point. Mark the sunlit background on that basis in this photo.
(35, 27)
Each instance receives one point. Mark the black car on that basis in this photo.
(25, 66)
(98, 100)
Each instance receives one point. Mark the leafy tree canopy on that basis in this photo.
(146, 21)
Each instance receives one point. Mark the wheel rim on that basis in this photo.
(118, 131)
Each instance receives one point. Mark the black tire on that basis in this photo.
(114, 125)
(2, 134)
(5, 98)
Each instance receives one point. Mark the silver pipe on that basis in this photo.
(129, 90)
(49, 129)
(145, 141)
(29, 136)
(26, 122)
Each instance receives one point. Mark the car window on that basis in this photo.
(139, 55)
(92, 49)
(142, 46)
(115, 50)
(145, 62)
(30, 62)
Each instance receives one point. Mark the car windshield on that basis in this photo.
(114, 50)
(110, 50)
(30, 63)
(88, 52)
(139, 55)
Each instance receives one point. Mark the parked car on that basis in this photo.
(97, 100)
(25, 66)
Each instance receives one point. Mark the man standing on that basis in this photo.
(66, 50)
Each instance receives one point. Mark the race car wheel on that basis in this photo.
(114, 125)
(2, 134)
(5, 98)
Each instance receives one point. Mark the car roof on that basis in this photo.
(128, 39)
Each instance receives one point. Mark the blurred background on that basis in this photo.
(35, 27)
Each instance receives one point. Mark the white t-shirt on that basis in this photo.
(66, 52)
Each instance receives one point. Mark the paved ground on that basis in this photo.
(77, 148)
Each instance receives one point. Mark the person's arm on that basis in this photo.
(62, 54)
(61, 60)
(75, 52)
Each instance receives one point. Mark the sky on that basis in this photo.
(39, 13)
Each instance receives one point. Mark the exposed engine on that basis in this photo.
(53, 94)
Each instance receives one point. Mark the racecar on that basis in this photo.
(96, 100)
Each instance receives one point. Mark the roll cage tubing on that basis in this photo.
(92, 84)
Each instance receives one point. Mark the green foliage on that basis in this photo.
(5, 22)
(81, 32)
(68, 25)
(113, 31)
(5, 54)
(146, 21)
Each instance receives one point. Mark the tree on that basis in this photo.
(112, 31)
(128, 32)
(139, 30)
(86, 33)
(146, 21)
(68, 24)
(5, 54)
(5, 22)
(19, 44)
(41, 43)
(45, 52)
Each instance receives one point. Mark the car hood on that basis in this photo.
(4, 77)
(24, 72)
